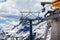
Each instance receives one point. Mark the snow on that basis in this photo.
(10, 13)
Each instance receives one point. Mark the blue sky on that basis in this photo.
(13, 7)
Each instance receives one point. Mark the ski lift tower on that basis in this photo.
(30, 19)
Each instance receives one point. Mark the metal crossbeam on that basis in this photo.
(29, 12)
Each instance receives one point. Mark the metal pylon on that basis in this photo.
(31, 30)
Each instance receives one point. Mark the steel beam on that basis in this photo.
(31, 30)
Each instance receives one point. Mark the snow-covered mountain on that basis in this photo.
(23, 32)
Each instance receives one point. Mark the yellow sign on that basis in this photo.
(55, 4)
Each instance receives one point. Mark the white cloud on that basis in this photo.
(2, 18)
(8, 8)
(14, 22)
(13, 7)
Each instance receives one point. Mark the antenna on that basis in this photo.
(43, 4)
